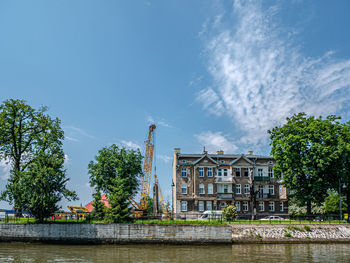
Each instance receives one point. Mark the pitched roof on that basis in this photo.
(241, 157)
(104, 200)
(198, 160)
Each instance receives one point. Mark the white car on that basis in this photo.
(272, 218)
(211, 215)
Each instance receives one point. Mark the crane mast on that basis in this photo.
(147, 168)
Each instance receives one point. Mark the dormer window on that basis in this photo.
(238, 172)
(222, 162)
(183, 161)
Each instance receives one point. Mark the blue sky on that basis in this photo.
(208, 73)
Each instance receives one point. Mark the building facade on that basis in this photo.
(213, 181)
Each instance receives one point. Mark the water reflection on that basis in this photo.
(17, 252)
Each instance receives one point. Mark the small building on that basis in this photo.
(213, 181)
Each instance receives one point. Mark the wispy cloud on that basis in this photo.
(260, 76)
(72, 133)
(163, 123)
(215, 141)
(131, 144)
(164, 158)
(5, 169)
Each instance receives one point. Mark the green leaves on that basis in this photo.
(115, 172)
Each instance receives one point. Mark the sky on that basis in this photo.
(208, 73)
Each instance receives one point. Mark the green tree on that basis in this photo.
(44, 185)
(304, 149)
(99, 207)
(115, 171)
(24, 134)
(331, 204)
(229, 213)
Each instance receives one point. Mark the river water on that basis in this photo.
(38, 253)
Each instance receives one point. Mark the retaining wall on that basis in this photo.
(115, 233)
(174, 234)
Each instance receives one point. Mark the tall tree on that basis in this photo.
(44, 185)
(115, 171)
(304, 149)
(24, 134)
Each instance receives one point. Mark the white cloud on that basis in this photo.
(66, 159)
(5, 169)
(74, 132)
(260, 75)
(163, 123)
(131, 144)
(164, 158)
(215, 141)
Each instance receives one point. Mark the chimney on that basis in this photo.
(250, 152)
(204, 151)
(176, 150)
(221, 152)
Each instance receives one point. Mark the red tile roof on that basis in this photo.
(104, 200)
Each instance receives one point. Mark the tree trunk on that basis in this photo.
(308, 209)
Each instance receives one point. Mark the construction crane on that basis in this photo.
(146, 175)
(158, 199)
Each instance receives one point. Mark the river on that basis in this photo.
(39, 253)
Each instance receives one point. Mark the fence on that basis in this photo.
(183, 218)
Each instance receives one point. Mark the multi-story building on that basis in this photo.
(213, 181)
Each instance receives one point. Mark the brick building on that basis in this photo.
(213, 181)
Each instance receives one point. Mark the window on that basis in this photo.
(201, 189)
(219, 172)
(261, 206)
(201, 206)
(222, 162)
(280, 190)
(209, 205)
(225, 172)
(238, 171)
(219, 188)
(210, 189)
(271, 190)
(281, 206)
(201, 172)
(272, 206)
(246, 188)
(270, 162)
(238, 189)
(183, 205)
(270, 172)
(245, 206)
(184, 189)
(183, 172)
(223, 204)
(260, 172)
(238, 206)
(183, 161)
(246, 172)
(210, 172)
(225, 188)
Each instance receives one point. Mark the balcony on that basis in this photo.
(262, 179)
(264, 196)
(224, 196)
(221, 179)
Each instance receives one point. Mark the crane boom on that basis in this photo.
(147, 168)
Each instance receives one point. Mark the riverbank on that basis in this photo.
(174, 234)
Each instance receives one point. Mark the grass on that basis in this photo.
(294, 228)
(307, 228)
(259, 236)
(181, 222)
(287, 234)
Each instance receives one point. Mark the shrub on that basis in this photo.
(229, 213)
(307, 228)
(288, 234)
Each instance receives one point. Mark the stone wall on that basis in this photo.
(115, 233)
(289, 233)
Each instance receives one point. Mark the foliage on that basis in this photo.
(305, 149)
(44, 185)
(149, 209)
(229, 213)
(307, 228)
(115, 171)
(24, 134)
(331, 204)
(295, 208)
(287, 234)
(99, 207)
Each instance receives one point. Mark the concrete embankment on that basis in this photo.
(173, 234)
(289, 233)
(116, 233)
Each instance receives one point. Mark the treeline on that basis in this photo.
(31, 142)
(312, 158)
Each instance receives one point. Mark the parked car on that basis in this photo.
(318, 219)
(272, 218)
(211, 215)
